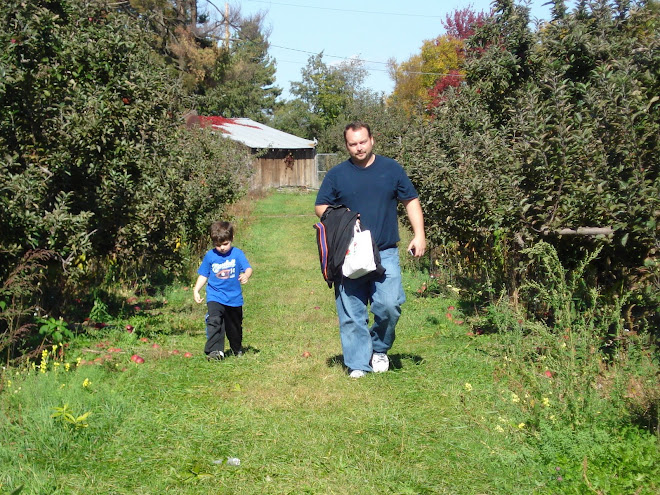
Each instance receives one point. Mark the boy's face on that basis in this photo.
(224, 247)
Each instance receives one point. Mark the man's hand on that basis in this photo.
(417, 247)
(416, 217)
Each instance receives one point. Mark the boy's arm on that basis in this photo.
(201, 280)
(245, 276)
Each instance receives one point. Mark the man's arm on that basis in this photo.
(320, 209)
(416, 217)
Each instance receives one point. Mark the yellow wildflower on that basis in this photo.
(78, 360)
(521, 426)
(498, 428)
(514, 398)
(67, 366)
(468, 387)
(86, 383)
(546, 402)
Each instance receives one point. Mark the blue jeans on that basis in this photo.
(385, 295)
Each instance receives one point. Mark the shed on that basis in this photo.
(280, 159)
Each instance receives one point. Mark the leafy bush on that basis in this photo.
(554, 137)
(96, 165)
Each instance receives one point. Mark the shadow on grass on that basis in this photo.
(247, 349)
(397, 361)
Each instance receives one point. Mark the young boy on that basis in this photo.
(225, 268)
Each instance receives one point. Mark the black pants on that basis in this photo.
(223, 320)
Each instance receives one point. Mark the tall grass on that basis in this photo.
(444, 420)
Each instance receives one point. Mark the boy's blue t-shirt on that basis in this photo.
(373, 192)
(222, 271)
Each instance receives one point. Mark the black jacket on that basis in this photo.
(333, 236)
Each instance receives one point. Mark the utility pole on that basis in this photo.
(226, 25)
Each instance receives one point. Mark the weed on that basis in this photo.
(55, 330)
(63, 415)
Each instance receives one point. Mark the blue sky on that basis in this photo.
(372, 30)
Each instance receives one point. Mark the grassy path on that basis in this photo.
(298, 424)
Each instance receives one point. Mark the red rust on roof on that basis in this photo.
(220, 121)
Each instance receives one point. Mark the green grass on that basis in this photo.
(440, 422)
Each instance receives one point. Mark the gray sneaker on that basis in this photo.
(216, 356)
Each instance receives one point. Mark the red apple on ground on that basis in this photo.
(134, 357)
(129, 328)
(155, 346)
(306, 354)
(176, 351)
(139, 360)
(187, 355)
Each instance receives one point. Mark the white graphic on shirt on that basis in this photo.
(224, 270)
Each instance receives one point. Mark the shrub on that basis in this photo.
(553, 138)
(96, 165)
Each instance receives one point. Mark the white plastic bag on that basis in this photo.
(359, 258)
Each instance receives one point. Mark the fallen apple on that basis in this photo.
(134, 357)
(306, 354)
(155, 346)
(188, 355)
(176, 351)
(139, 360)
(129, 328)
(144, 339)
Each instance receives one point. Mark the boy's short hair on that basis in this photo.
(221, 232)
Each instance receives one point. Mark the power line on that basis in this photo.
(326, 55)
(361, 60)
(398, 14)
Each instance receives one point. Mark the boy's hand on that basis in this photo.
(243, 278)
(198, 298)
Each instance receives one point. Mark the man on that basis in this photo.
(372, 185)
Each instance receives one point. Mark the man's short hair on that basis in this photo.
(355, 126)
(221, 232)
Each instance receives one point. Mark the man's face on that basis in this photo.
(359, 145)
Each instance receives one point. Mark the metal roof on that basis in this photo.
(256, 135)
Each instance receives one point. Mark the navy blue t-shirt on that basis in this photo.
(373, 192)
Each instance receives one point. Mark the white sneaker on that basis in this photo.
(357, 374)
(380, 362)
